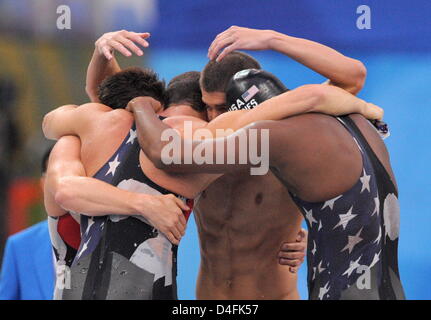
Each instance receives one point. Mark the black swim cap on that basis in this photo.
(250, 87)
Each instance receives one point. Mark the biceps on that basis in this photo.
(65, 159)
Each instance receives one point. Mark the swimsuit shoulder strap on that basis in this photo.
(376, 163)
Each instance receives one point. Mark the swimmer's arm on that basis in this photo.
(103, 63)
(71, 120)
(150, 130)
(345, 72)
(68, 189)
(99, 69)
(308, 98)
(342, 71)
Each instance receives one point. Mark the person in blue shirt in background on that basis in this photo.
(28, 264)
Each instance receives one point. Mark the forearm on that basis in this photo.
(342, 71)
(298, 101)
(150, 131)
(99, 69)
(319, 98)
(96, 198)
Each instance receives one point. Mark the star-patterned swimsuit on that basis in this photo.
(124, 257)
(353, 238)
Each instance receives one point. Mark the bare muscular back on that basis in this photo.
(242, 221)
(102, 139)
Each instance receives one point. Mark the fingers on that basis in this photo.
(124, 42)
(119, 47)
(226, 51)
(128, 39)
(302, 234)
(298, 246)
(130, 45)
(172, 238)
(216, 46)
(178, 232)
(107, 52)
(183, 220)
(181, 204)
(294, 269)
(174, 232)
(291, 263)
(140, 39)
(374, 112)
(219, 44)
(292, 255)
(144, 35)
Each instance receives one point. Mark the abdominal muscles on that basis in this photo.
(242, 222)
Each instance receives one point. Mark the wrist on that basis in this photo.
(276, 39)
(141, 204)
(139, 103)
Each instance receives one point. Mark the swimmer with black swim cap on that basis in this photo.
(250, 87)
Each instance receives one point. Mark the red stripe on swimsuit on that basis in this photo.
(69, 231)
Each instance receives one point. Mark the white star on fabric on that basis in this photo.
(353, 241)
(90, 223)
(323, 291)
(375, 259)
(320, 225)
(365, 179)
(309, 216)
(377, 207)
(353, 265)
(314, 273)
(84, 248)
(379, 236)
(330, 203)
(313, 251)
(132, 136)
(345, 218)
(320, 268)
(113, 166)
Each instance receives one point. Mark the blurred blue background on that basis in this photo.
(396, 51)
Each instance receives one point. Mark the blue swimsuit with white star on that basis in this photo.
(353, 238)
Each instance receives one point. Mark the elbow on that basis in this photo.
(88, 91)
(92, 94)
(64, 193)
(45, 126)
(358, 78)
